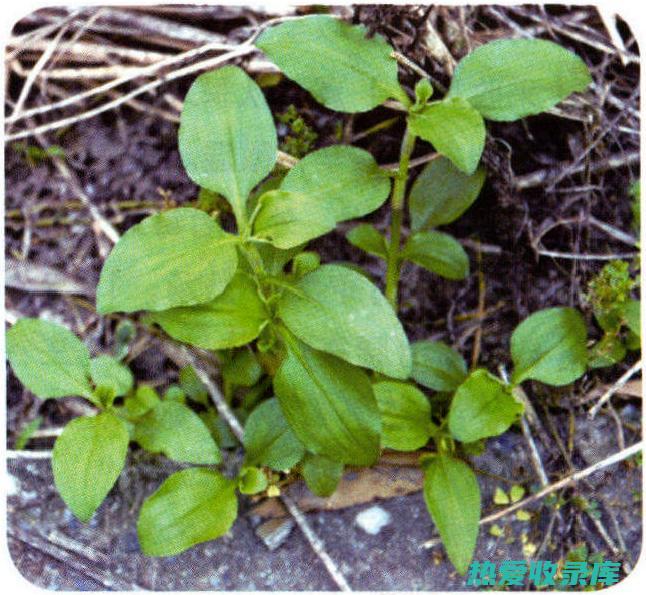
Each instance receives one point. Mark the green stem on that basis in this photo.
(397, 201)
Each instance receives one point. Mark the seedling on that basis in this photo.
(616, 312)
(313, 355)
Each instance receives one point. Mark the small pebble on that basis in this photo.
(373, 519)
(13, 485)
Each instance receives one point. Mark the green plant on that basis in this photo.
(301, 138)
(616, 312)
(314, 358)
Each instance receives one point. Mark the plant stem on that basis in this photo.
(397, 215)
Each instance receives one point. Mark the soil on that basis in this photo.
(126, 162)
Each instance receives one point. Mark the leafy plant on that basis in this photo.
(314, 358)
(616, 312)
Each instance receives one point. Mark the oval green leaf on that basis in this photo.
(454, 128)
(227, 137)
(329, 404)
(232, 319)
(632, 316)
(268, 439)
(252, 481)
(452, 497)
(339, 311)
(405, 415)
(87, 459)
(190, 507)
(140, 402)
(335, 62)
(439, 253)
(367, 238)
(48, 359)
(322, 475)
(509, 79)
(437, 366)
(176, 431)
(177, 258)
(108, 372)
(482, 406)
(442, 193)
(346, 181)
(550, 346)
(288, 219)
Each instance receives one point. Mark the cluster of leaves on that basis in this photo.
(301, 137)
(616, 312)
(314, 358)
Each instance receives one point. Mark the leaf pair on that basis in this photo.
(52, 362)
(90, 453)
(337, 320)
(326, 187)
(503, 80)
(439, 195)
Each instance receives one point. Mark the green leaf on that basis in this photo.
(337, 310)
(268, 439)
(48, 359)
(516, 493)
(454, 128)
(190, 507)
(108, 372)
(232, 319)
(252, 481)
(423, 92)
(289, 219)
(452, 497)
(437, 366)
(500, 497)
(227, 137)
(176, 431)
(27, 432)
(367, 238)
(439, 253)
(304, 263)
(441, 193)
(124, 334)
(274, 259)
(329, 404)
(509, 79)
(322, 475)
(141, 402)
(243, 369)
(346, 181)
(632, 316)
(192, 386)
(550, 346)
(176, 258)
(606, 352)
(405, 415)
(87, 459)
(335, 62)
(175, 393)
(482, 406)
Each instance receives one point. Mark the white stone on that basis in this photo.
(13, 485)
(373, 519)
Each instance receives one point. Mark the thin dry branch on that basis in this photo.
(614, 388)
